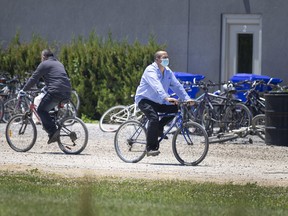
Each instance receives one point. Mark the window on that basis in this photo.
(245, 53)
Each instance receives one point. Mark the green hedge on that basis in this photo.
(105, 72)
(18, 58)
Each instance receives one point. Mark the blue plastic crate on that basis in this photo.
(182, 76)
(252, 77)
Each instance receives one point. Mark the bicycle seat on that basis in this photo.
(62, 103)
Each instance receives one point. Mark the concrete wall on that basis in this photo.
(190, 28)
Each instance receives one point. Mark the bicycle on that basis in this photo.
(189, 144)
(116, 115)
(21, 131)
(223, 117)
(9, 89)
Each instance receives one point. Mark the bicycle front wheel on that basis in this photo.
(113, 118)
(130, 141)
(190, 144)
(73, 135)
(21, 133)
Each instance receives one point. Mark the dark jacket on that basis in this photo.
(54, 75)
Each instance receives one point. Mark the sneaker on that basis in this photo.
(54, 137)
(152, 153)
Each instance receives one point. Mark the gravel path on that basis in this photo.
(233, 162)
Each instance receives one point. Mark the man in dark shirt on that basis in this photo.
(58, 88)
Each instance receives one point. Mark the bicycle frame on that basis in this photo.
(133, 110)
(31, 105)
(180, 118)
(33, 109)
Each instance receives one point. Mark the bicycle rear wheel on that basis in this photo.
(113, 118)
(258, 125)
(21, 133)
(190, 144)
(73, 135)
(130, 141)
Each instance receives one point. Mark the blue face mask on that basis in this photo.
(165, 62)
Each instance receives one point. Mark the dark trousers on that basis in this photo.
(48, 102)
(155, 126)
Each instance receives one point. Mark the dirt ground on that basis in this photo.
(237, 162)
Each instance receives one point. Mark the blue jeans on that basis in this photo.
(48, 102)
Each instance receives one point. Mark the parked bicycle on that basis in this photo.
(189, 144)
(116, 115)
(21, 131)
(9, 89)
(221, 115)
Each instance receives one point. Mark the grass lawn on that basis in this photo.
(33, 193)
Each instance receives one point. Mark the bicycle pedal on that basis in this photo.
(67, 147)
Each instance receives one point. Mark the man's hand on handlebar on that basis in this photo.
(190, 102)
(175, 101)
(172, 100)
(21, 93)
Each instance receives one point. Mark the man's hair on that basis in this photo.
(158, 54)
(47, 53)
